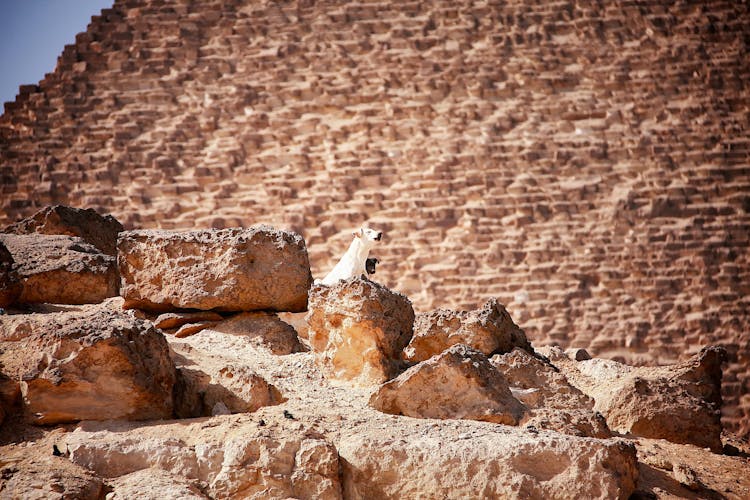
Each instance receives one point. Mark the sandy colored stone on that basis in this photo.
(61, 269)
(680, 403)
(359, 329)
(227, 270)
(47, 478)
(10, 286)
(93, 364)
(154, 484)
(583, 422)
(274, 464)
(486, 465)
(177, 319)
(488, 329)
(189, 329)
(263, 329)
(458, 383)
(93, 228)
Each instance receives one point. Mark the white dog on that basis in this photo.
(353, 261)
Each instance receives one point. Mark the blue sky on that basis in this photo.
(33, 34)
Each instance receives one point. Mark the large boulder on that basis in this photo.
(553, 403)
(10, 285)
(89, 225)
(359, 329)
(259, 268)
(680, 403)
(484, 463)
(61, 269)
(458, 383)
(91, 364)
(48, 478)
(488, 329)
(264, 330)
(236, 459)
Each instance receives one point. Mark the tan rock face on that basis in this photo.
(279, 464)
(554, 403)
(90, 226)
(265, 330)
(52, 478)
(158, 483)
(227, 270)
(488, 329)
(10, 286)
(486, 465)
(458, 383)
(94, 364)
(61, 269)
(359, 329)
(680, 403)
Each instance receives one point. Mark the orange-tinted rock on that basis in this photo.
(177, 319)
(10, 286)
(90, 226)
(489, 330)
(89, 365)
(458, 383)
(226, 270)
(61, 269)
(359, 329)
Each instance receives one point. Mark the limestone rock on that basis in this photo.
(489, 329)
(189, 329)
(279, 464)
(94, 364)
(177, 319)
(90, 226)
(52, 478)
(554, 403)
(265, 330)
(10, 286)
(223, 269)
(61, 269)
(510, 464)
(359, 329)
(680, 403)
(154, 484)
(458, 383)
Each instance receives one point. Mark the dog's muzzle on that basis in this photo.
(378, 236)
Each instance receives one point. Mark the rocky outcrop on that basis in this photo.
(359, 328)
(264, 330)
(51, 478)
(93, 228)
(458, 383)
(10, 286)
(61, 269)
(158, 483)
(553, 403)
(488, 329)
(486, 464)
(94, 364)
(279, 464)
(680, 403)
(226, 270)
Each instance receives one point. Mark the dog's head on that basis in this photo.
(369, 235)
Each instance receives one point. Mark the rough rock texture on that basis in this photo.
(488, 329)
(61, 269)
(587, 165)
(458, 383)
(359, 329)
(189, 329)
(554, 403)
(264, 330)
(94, 364)
(177, 319)
(680, 403)
(154, 484)
(48, 478)
(245, 464)
(227, 270)
(486, 465)
(90, 226)
(10, 286)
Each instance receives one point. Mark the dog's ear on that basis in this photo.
(359, 233)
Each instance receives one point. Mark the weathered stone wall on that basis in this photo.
(585, 162)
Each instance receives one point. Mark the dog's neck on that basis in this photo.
(360, 248)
